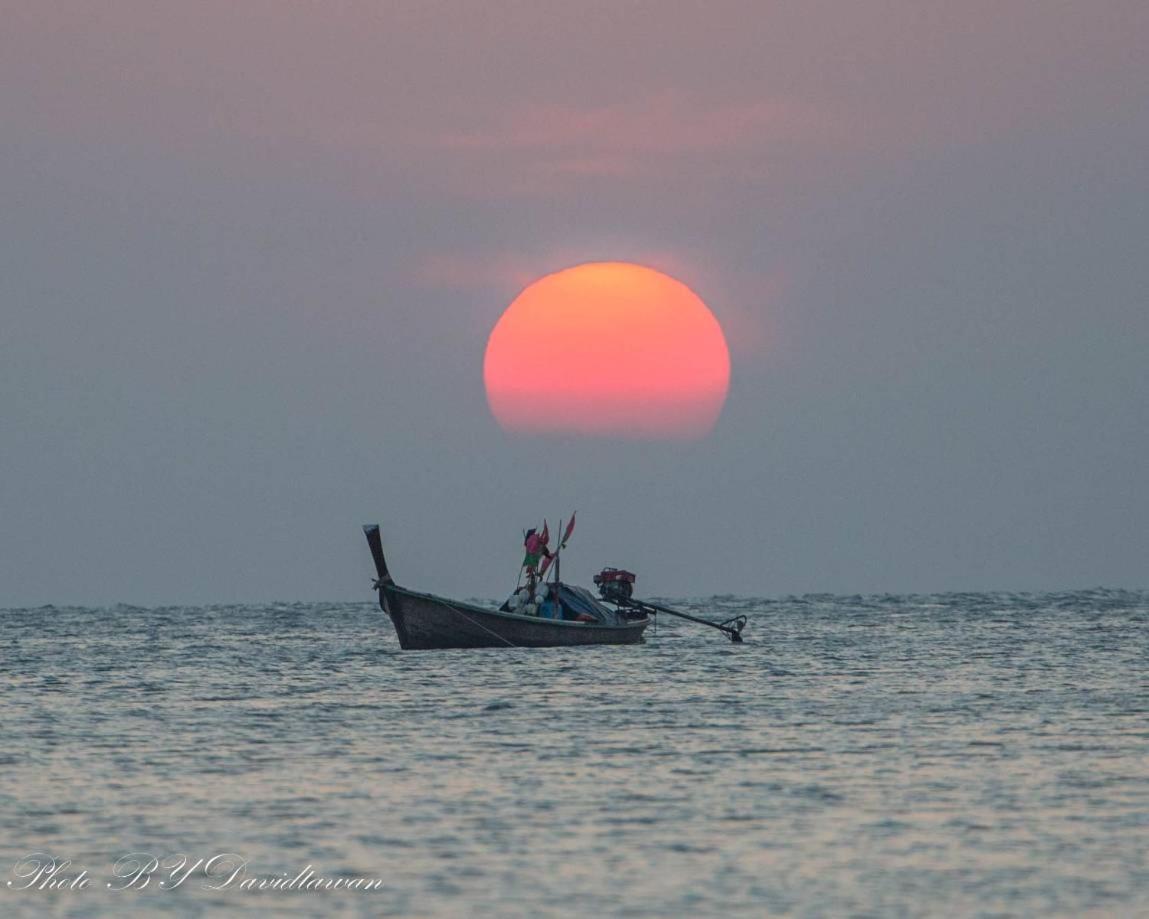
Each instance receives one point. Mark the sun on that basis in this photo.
(608, 348)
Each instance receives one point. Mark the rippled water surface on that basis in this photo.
(972, 754)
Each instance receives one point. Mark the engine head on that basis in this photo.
(615, 584)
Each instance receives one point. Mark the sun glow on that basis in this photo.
(608, 348)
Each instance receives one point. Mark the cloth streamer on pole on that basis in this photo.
(569, 530)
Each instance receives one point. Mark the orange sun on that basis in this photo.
(608, 348)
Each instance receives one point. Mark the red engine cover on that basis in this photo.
(614, 574)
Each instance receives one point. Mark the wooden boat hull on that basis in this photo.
(427, 622)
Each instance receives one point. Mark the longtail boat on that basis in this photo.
(425, 621)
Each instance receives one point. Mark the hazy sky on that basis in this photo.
(250, 253)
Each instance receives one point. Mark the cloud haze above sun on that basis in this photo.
(608, 348)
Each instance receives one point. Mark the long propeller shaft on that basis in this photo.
(732, 627)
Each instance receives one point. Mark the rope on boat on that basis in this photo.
(479, 624)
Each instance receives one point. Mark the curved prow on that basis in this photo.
(371, 531)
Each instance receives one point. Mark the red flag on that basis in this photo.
(545, 535)
(570, 529)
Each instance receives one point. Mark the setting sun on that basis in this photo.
(608, 348)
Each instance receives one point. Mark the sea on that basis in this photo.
(965, 754)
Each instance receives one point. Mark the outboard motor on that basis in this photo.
(615, 584)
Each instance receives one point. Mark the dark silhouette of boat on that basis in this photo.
(425, 621)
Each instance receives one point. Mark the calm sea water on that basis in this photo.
(964, 754)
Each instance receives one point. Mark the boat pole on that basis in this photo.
(731, 627)
(558, 551)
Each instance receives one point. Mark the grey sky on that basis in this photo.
(250, 254)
